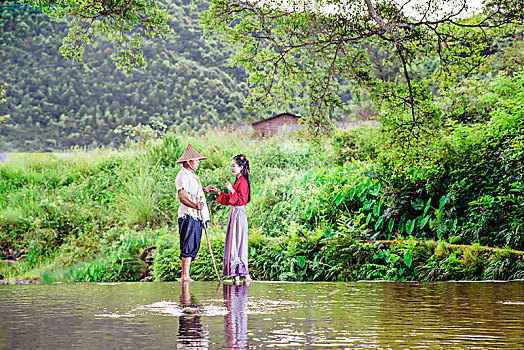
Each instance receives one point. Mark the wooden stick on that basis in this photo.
(211, 252)
(209, 245)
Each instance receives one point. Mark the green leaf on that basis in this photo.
(339, 198)
(410, 225)
(387, 255)
(375, 189)
(369, 218)
(352, 193)
(391, 225)
(428, 204)
(408, 258)
(328, 233)
(424, 221)
(417, 204)
(295, 202)
(378, 223)
(309, 212)
(376, 209)
(307, 178)
(301, 261)
(443, 200)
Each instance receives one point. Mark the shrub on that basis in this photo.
(359, 143)
(167, 265)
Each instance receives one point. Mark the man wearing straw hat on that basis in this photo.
(193, 212)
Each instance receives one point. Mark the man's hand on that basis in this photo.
(182, 196)
(210, 188)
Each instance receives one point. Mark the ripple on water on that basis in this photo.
(511, 302)
(171, 308)
(331, 315)
(115, 315)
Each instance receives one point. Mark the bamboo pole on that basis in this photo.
(209, 245)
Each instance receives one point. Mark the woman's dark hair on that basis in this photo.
(244, 163)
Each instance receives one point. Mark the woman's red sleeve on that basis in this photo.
(223, 198)
(239, 197)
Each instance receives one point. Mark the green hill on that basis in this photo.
(55, 104)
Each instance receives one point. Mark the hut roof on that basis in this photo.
(297, 116)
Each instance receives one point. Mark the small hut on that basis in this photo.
(280, 124)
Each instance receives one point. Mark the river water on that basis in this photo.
(205, 315)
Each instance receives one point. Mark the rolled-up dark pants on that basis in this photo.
(190, 231)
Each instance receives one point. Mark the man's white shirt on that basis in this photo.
(189, 181)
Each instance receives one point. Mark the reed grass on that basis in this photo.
(74, 211)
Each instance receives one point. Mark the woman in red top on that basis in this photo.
(235, 248)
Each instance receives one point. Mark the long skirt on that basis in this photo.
(235, 248)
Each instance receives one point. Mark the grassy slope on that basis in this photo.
(86, 216)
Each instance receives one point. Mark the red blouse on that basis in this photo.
(239, 197)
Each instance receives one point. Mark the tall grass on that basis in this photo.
(139, 200)
(317, 194)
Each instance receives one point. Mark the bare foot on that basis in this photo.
(246, 279)
(186, 279)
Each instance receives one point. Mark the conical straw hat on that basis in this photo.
(190, 154)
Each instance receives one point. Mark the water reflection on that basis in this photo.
(203, 315)
(190, 332)
(235, 322)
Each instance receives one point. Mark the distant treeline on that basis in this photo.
(54, 103)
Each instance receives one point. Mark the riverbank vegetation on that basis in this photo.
(418, 195)
(343, 209)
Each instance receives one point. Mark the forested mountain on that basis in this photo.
(54, 103)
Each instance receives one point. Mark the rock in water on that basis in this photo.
(17, 254)
(190, 311)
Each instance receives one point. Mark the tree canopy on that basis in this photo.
(299, 51)
(123, 22)
(2, 100)
(310, 46)
(56, 103)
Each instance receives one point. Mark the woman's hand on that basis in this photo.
(210, 188)
(199, 205)
(229, 187)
